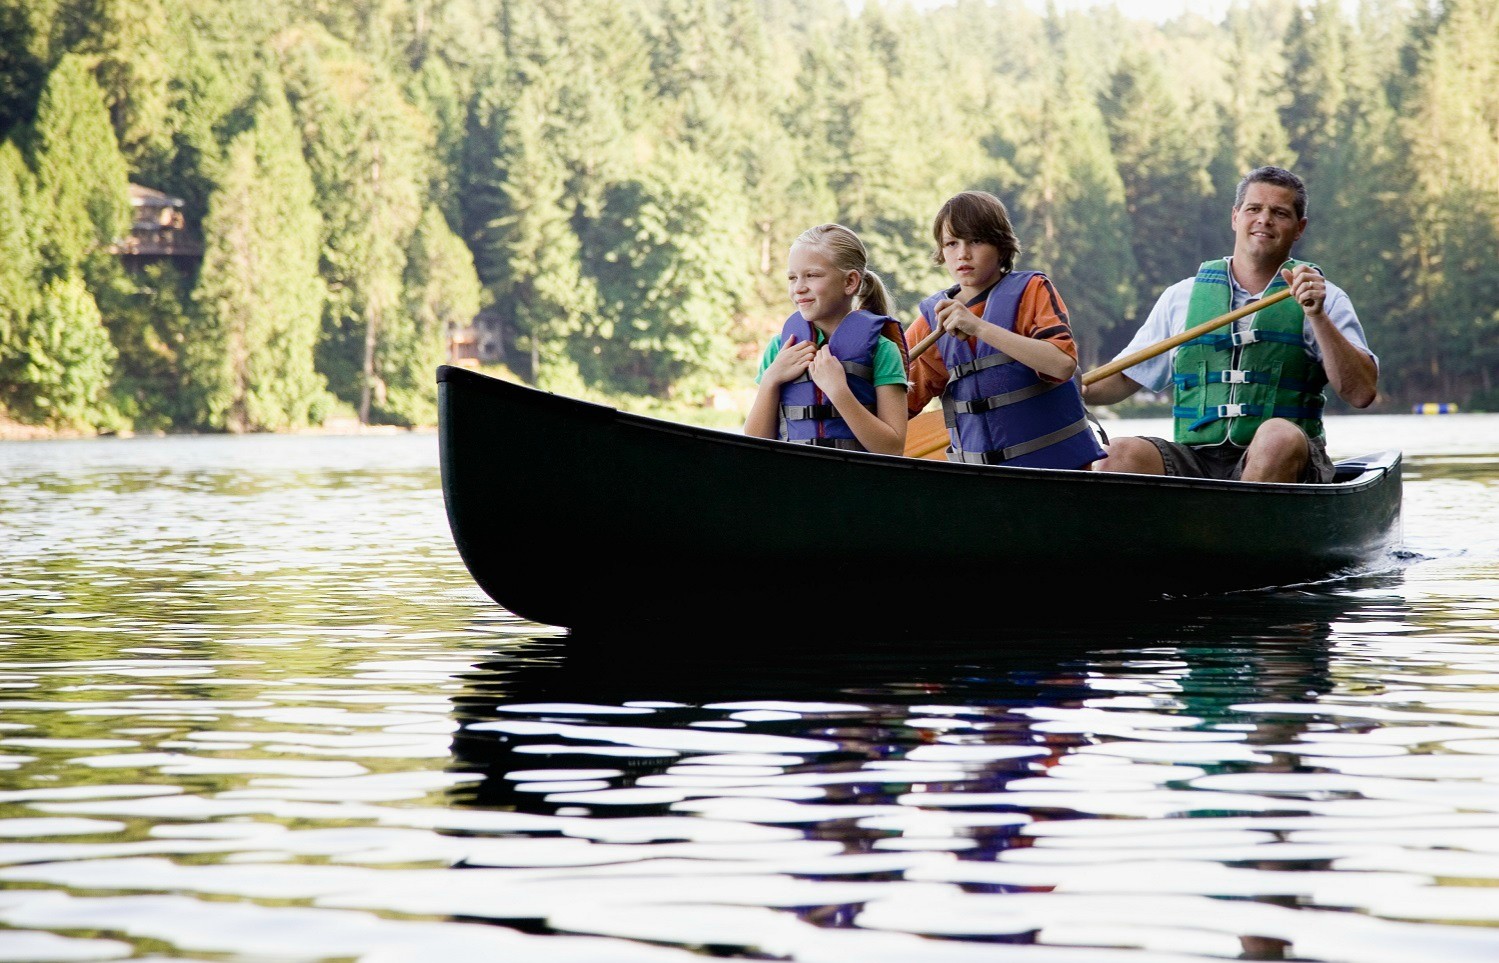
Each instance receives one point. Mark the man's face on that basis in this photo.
(1265, 224)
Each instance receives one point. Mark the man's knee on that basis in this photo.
(1278, 452)
(1280, 438)
(1134, 455)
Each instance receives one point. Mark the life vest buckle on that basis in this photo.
(1241, 338)
(1232, 377)
(1232, 411)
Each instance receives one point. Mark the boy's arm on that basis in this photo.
(1040, 313)
(1111, 390)
(928, 376)
(1042, 357)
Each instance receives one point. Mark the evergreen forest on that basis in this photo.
(616, 182)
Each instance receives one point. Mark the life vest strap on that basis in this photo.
(1003, 455)
(978, 364)
(808, 412)
(1240, 338)
(1218, 413)
(859, 370)
(980, 405)
(847, 444)
(1235, 377)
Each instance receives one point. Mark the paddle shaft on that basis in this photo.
(930, 339)
(925, 343)
(1161, 347)
(1128, 361)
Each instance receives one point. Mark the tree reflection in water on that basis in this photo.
(913, 764)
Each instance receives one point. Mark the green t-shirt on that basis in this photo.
(888, 369)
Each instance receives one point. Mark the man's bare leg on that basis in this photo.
(1133, 455)
(1278, 453)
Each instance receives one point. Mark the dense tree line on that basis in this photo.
(618, 181)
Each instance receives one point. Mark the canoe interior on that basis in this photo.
(578, 515)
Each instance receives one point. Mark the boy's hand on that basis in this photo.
(957, 320)
(794, 358)
(827, 373)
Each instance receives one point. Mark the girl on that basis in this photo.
(1006, 355)
(835, 375)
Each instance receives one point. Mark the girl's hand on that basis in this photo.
(828, 374)
(957, 320)
(794, 358)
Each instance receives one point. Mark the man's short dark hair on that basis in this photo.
(1278, 176)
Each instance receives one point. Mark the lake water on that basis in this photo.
(251, 706)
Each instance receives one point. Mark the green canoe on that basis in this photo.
(579, 515)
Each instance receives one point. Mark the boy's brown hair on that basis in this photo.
(977, 216)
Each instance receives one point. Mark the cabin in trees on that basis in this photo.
(157, 229)
(479, 343)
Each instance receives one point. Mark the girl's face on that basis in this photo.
(973, 264)
(820, 291)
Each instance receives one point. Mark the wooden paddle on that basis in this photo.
(932, 337)
(926, 434)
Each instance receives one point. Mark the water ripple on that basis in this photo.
(251, 704)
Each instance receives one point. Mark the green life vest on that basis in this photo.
(1229, 383)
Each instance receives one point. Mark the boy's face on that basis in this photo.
(973, 264)
(820, 291)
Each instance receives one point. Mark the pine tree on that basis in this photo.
(441, 293)
(1251, 132)
(250, 365)
(1318, 64)
(1070, 214)
(519, 217)
(1361, 188)
(128, 45)
(1453, 131)
(83, 196)
(149, 315)
(60, 372)
(370, 172)
(217, 50)
(25, 54)
(1163, 163)
(57, 369)
(662, 254)
(20, 272)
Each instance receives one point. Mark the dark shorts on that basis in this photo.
(1227, 461)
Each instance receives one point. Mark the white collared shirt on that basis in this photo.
(1169, 317)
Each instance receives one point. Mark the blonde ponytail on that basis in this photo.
(872, 295)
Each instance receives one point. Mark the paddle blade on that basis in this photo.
(926, 436)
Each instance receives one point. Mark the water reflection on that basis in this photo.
(251, 705)
(941, 795)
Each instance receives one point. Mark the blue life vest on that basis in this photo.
(999, 411)
(806, 416)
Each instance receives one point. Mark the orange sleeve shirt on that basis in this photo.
(1041, 315)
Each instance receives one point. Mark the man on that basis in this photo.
(1248, 403)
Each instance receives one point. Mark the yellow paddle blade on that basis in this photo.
(926, 436)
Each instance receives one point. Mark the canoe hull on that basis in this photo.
(578, 515)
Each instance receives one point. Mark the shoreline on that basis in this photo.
(12, 431)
